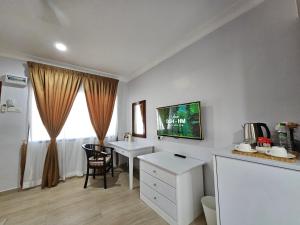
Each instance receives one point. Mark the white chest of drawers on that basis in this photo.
(172, 186)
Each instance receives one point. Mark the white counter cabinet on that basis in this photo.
(252, 191)
(172, 186)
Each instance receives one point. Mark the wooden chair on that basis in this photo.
(99, 160)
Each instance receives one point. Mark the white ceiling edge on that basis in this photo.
(237, 9)
(27, 57)
(298, 5)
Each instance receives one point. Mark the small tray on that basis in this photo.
(251, 151)
(269, 157)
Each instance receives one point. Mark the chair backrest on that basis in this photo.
(91, 151)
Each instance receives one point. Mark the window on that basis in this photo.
(78, 124)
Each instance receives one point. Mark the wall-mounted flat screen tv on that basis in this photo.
(180, 121)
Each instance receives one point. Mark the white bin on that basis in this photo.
(209, 207)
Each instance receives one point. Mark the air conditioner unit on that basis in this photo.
(14, 81)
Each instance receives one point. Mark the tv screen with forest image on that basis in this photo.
(180, 121)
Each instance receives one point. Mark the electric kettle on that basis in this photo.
(254, 130)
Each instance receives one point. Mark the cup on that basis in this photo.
(277, 151)
(244, 147)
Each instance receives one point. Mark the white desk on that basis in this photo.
(131, 150)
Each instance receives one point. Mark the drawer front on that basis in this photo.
(122, 152)
(159, 186)
(162, 202)
(159, 173)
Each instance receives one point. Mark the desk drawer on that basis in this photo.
(159, 186)
(159, 173)
(122, 152)
(162, 202)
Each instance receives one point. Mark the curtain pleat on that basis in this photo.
(100, 93)
(55, 90)
(23, 152)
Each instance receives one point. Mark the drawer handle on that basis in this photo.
(154, 184)
(154, 171)
(154, 198)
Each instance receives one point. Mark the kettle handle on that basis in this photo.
(266, 128)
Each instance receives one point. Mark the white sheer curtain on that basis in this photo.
(76, 131)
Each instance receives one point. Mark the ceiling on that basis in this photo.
(116, 38)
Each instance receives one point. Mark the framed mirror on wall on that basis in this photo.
(139, 119)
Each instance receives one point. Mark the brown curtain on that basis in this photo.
(23, 152)
(100, 93)
(23, 155)
(55, 90)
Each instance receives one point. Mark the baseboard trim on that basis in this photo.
(9, 191)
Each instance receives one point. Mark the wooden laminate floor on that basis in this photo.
(70, 204)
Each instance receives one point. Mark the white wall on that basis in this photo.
(122, 109)
(248, 70)
(12, 126)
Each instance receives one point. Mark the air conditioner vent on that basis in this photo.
(14, 80)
